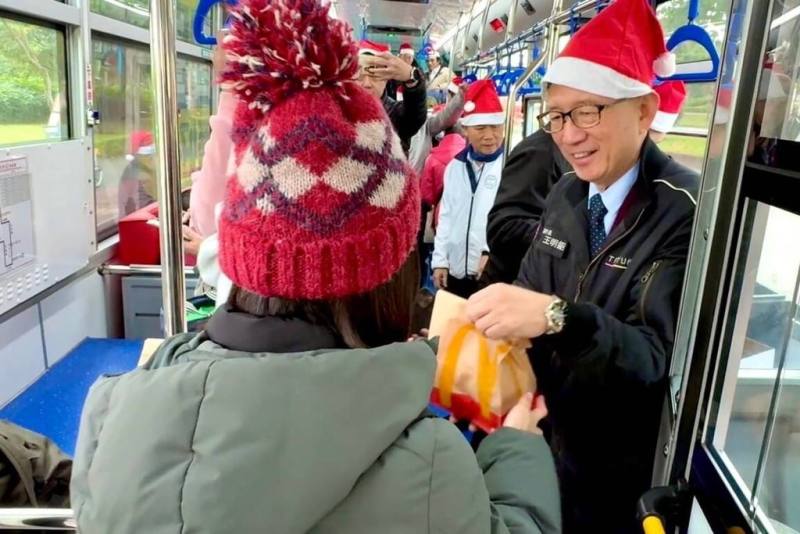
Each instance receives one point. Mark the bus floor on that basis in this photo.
(52, 405)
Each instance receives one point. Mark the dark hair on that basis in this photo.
(370, 319)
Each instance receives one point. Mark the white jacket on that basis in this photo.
(461, 232)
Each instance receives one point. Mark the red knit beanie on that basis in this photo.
(323, 203)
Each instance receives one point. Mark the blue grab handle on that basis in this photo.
(696, 34)
(200, 15)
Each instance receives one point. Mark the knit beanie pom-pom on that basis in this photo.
(277, 48)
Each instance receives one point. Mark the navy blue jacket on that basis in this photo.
(604, 376)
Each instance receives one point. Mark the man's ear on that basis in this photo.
(647, 111)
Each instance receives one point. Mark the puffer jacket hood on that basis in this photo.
(204, 419)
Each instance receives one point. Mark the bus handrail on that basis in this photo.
(38, 519)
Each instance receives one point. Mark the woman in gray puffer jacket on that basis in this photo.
(301, 408)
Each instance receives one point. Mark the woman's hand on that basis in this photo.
(523, 417)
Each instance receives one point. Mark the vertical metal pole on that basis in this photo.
(163, 59)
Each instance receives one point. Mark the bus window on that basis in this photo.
(123, 152)
(124, 137)
(33, 83)
(137, 12)
(194, 108)
(713, 18)
(752, 431)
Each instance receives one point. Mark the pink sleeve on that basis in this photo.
(208, 183)
(428, 182)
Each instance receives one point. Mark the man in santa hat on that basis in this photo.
(470, 185)
(439, 76)
(377, 66)
(531, 171)
(394, 89)
(599, 289)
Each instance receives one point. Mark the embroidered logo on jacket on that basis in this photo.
(617, 262)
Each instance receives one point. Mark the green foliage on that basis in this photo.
(31, 71)
(22, 103)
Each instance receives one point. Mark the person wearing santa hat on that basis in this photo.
(470, 185)
(407, 53)
(600, 285)
(671, 96)
(439, 76)
(137, 185)
(377, 66)
(395, 89)
(302, 403)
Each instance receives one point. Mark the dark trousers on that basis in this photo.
(463, 287)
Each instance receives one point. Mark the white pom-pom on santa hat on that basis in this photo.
(664, 65)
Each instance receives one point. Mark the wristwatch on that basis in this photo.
(556, 315)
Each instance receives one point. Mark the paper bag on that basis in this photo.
(477, 379)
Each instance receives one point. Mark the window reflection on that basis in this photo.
(123, 141)
(776, 124)
(124, 146)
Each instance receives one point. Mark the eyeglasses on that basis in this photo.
(583, 117)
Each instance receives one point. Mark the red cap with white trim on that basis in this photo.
(406, 49)
(672, 95)
(482, 106)
(372, 48)
(616, 55)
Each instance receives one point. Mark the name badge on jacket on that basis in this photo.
(547, 242)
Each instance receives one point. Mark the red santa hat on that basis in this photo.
(406, 50)
(672, 95)
(482, 106)
(142, 144)
(455, 84)
(616, 55)
(372, 48)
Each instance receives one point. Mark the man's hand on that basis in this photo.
(387, 67)
(440, 278)
(502, 311)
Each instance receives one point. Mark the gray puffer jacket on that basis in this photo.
(213, 440)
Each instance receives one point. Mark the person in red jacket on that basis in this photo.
(432, 177)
